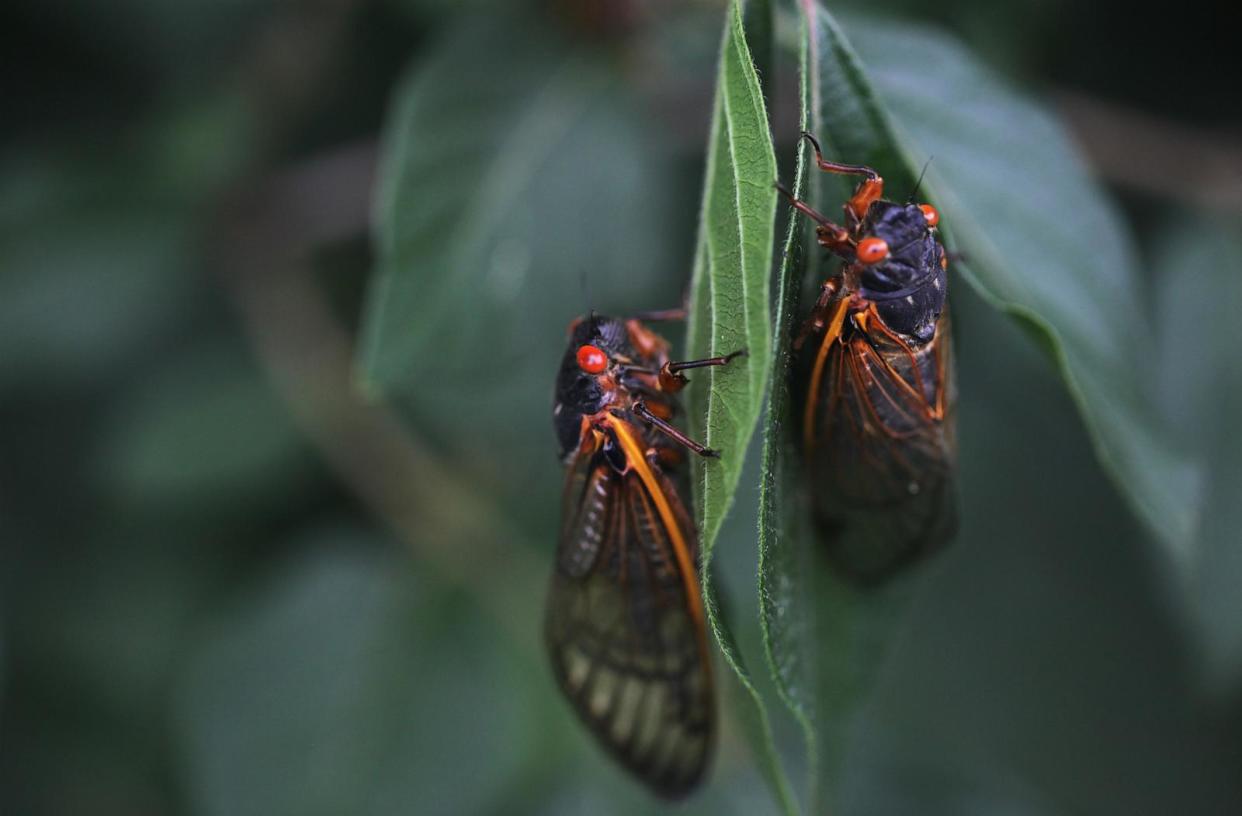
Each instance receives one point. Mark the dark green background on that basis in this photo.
(202, 611)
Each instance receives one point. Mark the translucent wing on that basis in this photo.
(624, 633)
(882, 452)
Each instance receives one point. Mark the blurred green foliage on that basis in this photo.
(202, 611)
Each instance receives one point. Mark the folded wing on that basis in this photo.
(882, 467)
(624, 632)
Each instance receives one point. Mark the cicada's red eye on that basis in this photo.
(931, 214)
(592, 360)
(872, 250)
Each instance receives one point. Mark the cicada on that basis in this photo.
(624, 624)
(875, 370)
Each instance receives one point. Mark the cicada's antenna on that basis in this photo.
(914, 193)
(584, 286)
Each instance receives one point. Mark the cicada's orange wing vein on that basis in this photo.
(883, 452)
(623, 627)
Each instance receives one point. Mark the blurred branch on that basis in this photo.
(286, 64)
(1153, 155)
(266, 236)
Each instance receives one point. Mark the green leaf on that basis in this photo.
(205, 434)
(1036, 633)
(519, 187)
(730, 288)
(729, 311)
(1003, 176)
(824, 640)
(1041, 241)
(1199, 298)
(90, 269)
(509, 174)
(341, 686)
(782, 565)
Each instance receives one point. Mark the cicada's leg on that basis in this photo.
(646, 342)
(640, 408)
(832, 237)
(819, 312)
(660, 315)
(870, 189)
(672, 380)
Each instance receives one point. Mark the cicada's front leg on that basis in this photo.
(672, 380)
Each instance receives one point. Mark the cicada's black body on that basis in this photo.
(876, 384)
(909, 286)
(624, 623)
(581, 393)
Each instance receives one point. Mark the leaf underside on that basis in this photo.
(1015, 202)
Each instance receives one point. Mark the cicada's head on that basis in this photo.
(586, 383)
